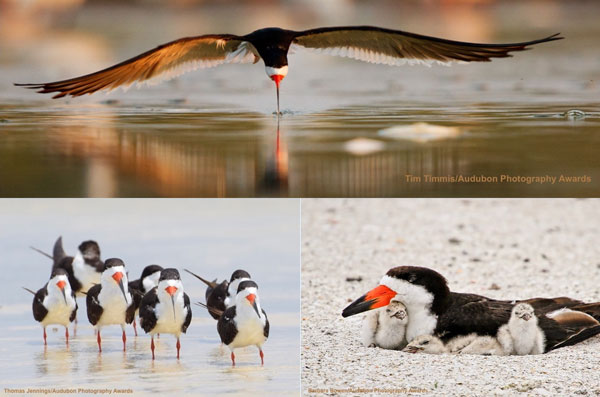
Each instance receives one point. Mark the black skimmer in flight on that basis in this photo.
(435, 310)
(215, 295)
(110, 303)
(521, 335)
(364, 43)
(245, 323)
(385, 328)
(84, 269)
(166, 308)
(55, 303)
(138, 288)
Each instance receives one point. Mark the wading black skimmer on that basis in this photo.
(84, 269)
(110, 303)
(385, 328)
(365, 43)
(166, 308)
(215, 295)
(55, 303)
(245, 323)
(434, 310)
(138, 288)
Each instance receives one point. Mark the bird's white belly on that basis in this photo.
(250, 332)
(86, 274)
(114, 310)
(59, 314)
(165, 322)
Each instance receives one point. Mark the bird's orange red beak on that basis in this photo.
(277, 79)
(61, 284)
(378, 297)
(171, 290)
(117, 276)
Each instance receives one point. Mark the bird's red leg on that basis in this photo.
(178, 347)
(45, 343)
(75, 327)
(135, 327)
(152, 346)
(67, 335)
(99, 341)
(124, 339)
(232, 359)
(262, 357)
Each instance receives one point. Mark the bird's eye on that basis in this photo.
(426, 342)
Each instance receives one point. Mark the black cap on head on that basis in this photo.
(151, 269)
(239, 274)
(169, 274)
(90, 249)
(59, 272)
(246, 284)
(112, 262)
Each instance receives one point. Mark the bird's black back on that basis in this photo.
(147, 305)
(226, 326)
(94, 310)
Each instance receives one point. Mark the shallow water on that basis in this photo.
(213, 133)
(209, 237)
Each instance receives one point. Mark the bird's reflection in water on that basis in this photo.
(55, 360)
(275, 177)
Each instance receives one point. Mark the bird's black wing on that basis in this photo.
(39, 310)
(147, 315)
(216, 299)
(58, 252)
(94, 310)
(226, 326)
(135, 289)
(167, 60)
(478, 314)
(395, 47)
(188, 317)
(130, 312)
(267, 326)
(74, 312)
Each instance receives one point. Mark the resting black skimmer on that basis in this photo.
(55, 303)
(215, 295)
(365, 43)
(166, 308)
(434, 310)
(245, 323)
(84, 269)
(138, 288)
(110, 303)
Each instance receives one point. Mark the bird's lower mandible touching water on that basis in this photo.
(365, 43)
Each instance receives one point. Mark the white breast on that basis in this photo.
(165, 323)
(58, 311)
(114, 306)
(86, 274)
(250, 329)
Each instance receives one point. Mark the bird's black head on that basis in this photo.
(169, 274)
(90, 250)
(59, 272)
(239, 274)
(113, 262)
(246, 284)
(151, 269)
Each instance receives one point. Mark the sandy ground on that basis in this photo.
(507, 249)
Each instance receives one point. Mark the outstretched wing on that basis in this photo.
(395, 47)
(166, 61)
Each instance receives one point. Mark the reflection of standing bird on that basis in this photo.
(55, 303)
(215, 295)
(138, 288)
(244, 323)
(166, 308)
(110, 303)
(365, 43)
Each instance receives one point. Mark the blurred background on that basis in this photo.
(212, 132)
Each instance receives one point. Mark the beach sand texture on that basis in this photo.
(505, 249)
